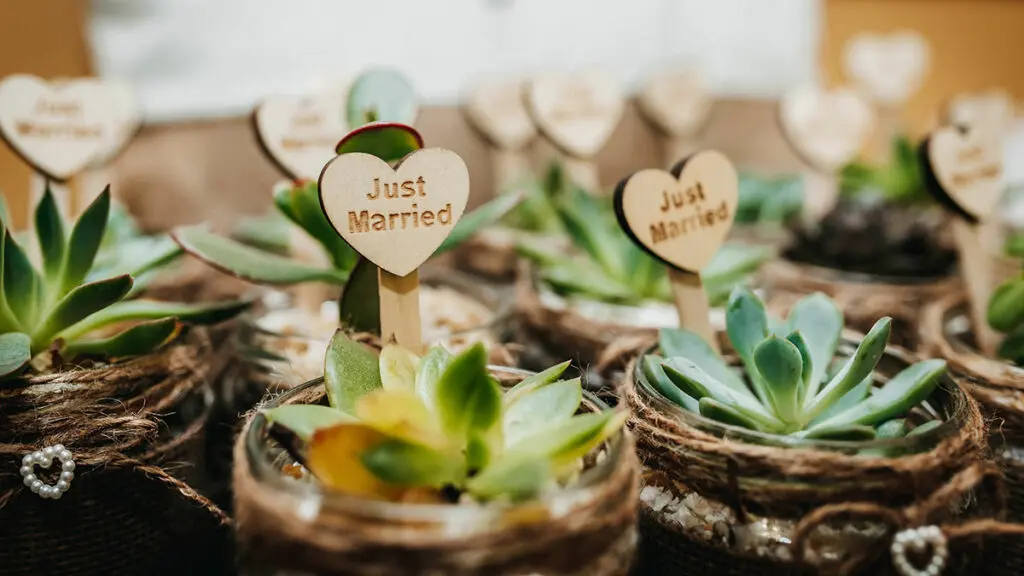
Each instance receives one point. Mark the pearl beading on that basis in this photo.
(44, 459)
(919, 540)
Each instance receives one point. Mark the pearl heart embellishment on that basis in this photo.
(44, 458)
(920, 540)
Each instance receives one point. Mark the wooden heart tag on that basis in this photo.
(577, 112)
(966, 170)
(992, 111)
(58, 128)
(826, 128)
(497, 111)
(677, 102)
(127, 119)
(299, 133)
(396, 218)
(890, 68)
(682, 218)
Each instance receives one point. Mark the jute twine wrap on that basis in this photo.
(997, 385)
(862, 301)
(128, 426)
(597, 537)
(815, 487)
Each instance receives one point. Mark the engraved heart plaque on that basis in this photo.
(682, 217)
(890, 68)
(299, 133)
(398, 217)
(965, 170)
(677, 102)
(497, 111)
(826, 128)
(577, 112)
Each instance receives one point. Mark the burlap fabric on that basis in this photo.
(135, 430)
(595, 535)
(863, 299)
(945, 486)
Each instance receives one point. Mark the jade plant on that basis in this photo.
(791, 382)
(72, 306)
(1006, 314)
(607, 266)
(399, 426)
(299, 203)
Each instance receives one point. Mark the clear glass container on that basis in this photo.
(295, 526)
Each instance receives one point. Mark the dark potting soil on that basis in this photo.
(877, 238)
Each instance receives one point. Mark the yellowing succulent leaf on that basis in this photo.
(335, 458)
(401, 413)
(398, 367)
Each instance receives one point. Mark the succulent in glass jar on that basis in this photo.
(400, 426)
(1006, 314)
(79, 302)
(791, 382)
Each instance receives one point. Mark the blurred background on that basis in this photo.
(199, 66)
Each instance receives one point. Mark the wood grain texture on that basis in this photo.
(968, 166)
(497, 111)
(577, 112)
(299, 133)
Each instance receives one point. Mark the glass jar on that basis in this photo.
(736, 516)
(295, 526)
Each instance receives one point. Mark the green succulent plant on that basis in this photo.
(606, 265)
(76, 305)
(441, 424)
(769, 200)
(901, 180)
(1006, 314)
(792, 383)
(300, 205)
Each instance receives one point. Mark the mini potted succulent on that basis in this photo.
(435, 465)
(766, 205)
(114, 387)
(800, 449)
(880, 251)
(577, 302)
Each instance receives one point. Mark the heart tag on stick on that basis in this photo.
(683, 217)
(126, 121)
(826, 128)
(992, 111)
(890, 68)
(299, 133)
(497, 111)
(577, 112)
(58, 128)
(396, 218)
(676, 102)
(965, 170)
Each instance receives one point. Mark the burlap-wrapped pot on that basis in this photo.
(135, 431)
(718, 499)
(997, 385)
(287, 526)
(862, 298)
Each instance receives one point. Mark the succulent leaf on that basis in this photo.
(336, 457)
(856, 369)
(351, 371)
(398, 367)
(1006, 306)
(574, 276)
(480, 218)
(543, 407)
(249, 263)
(22, 285)
(516, 479)
(698, 384)
(581, 222)
(400, 413)
(534, 381)
(398, 461)
(726, 413)
(655, 374)
(780, 364)
(746, 323)
(857, 394)
(428, 374)
(388, 141)
(84, 243)
(78, 304)
(847, 432)
(924, 428)
(807, 363)
(679, 342)
(49, 226)
(15, 353)
(1012, 347)
(895, 428)
(380, 95)
(359, 306)
(570, 439)
(305, 419)
(468, 399)
(301, 203)
(820, 322)
(127, 310)
(139, 339)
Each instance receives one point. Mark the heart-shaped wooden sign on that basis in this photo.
(497, 111)
(890, 68)
(126, 120)
(682, 217)
(964, 169)
(676, 102)
(827, 128)
(577, 112)
(299, 133)
(992, 111)
(57, 127)
(396, 218)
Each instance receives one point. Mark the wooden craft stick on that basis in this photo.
(584, 173)
(677, 147)
(976, 268)
(400, 309)
(510, 167)
(692, 305)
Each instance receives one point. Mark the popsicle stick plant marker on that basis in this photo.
(63, 127)
(577, 113)
(682, 218)
(827, 129)
(497, 112)
(395, 218)
(963, 169)
(888, 69)
(677, 104)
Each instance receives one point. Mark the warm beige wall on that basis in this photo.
(976, 45)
